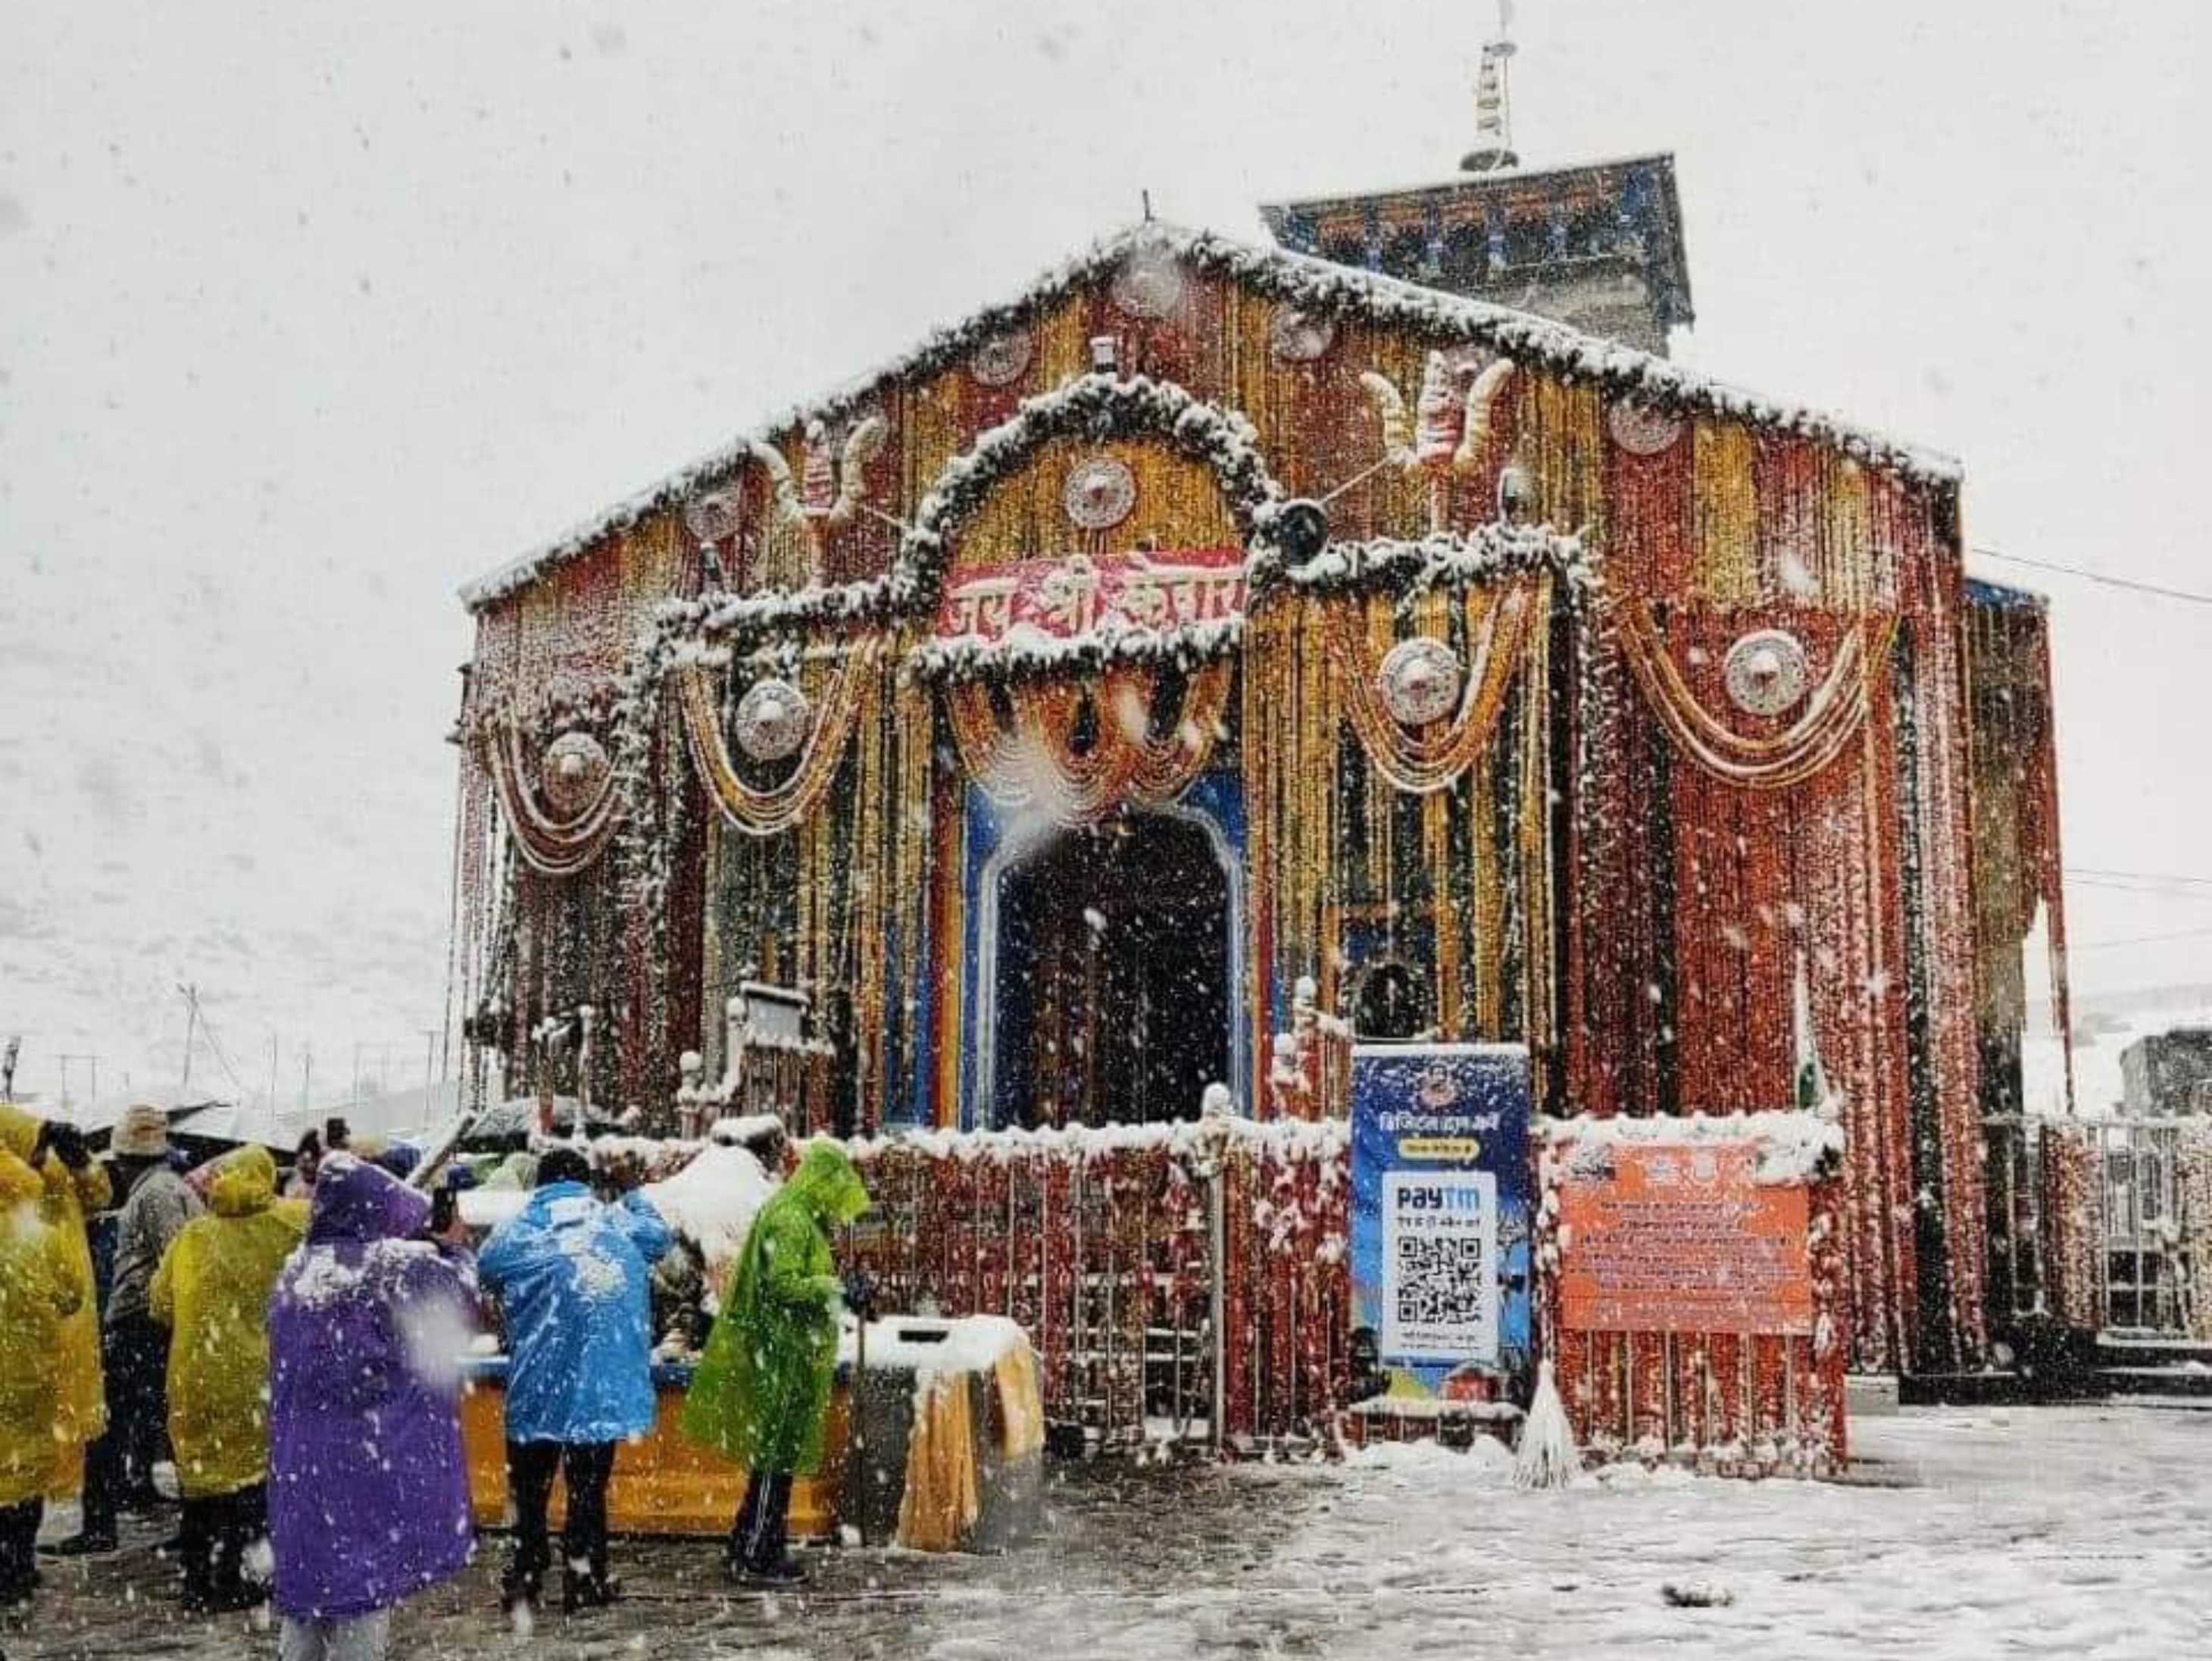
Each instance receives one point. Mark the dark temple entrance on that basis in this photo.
(1113, 975)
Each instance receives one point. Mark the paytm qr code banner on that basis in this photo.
(1440, 1213)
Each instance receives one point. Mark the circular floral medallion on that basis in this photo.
(1148, 285)
(1766, 672)
(575, 766)
(1098, 494)
(1419, 681)
(1295, 336)
(999, 361)
(1642, 430)
(773, 720)
(716, 516)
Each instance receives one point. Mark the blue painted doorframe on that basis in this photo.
(998, 838)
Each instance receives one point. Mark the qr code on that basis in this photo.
(1441, 1279)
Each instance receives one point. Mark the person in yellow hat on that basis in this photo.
(72, 1188)
(38, 1292)
(212, 1292)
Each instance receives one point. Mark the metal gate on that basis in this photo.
(2146, 1284)
(2125, 1221)
(1180, 1284)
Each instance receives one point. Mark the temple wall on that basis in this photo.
(1596, 878)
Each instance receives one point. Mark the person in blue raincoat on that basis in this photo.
(571, 1274)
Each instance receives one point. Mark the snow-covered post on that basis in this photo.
(588, 1017)
(689, 1095)
(1219, 1109)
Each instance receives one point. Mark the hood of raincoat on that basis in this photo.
(356, 1201)
(19, 1131)
(245, 1183)
(828, 1186)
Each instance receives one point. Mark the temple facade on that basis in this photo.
(1216, 652)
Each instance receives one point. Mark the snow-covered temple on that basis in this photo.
(1382, 611)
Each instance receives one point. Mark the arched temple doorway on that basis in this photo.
(1112, 974)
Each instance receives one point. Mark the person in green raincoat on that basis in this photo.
(212, 1292)
(73, 1187)
(762, 1388)
(39, 1293)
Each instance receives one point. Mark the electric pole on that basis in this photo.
(93, 1065)
(191, 1031)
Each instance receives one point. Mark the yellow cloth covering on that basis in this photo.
(943, 1500)
(941, 1503)
(1021, 1405)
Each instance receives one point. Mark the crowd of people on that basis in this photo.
(292, 1351)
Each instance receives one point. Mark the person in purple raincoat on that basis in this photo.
(368, 1495)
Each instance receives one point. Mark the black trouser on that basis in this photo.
(19, 1555)
(761, 1538)
(217, 1531)
(529, 1470)
(119, 1467)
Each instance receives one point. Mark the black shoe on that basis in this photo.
(223, 1600)
(81, 1545)
(589, 1592)
(788, 1572)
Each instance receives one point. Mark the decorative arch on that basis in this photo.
(1098, 406)
(1102, 406)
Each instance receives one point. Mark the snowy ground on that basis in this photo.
(2080, 1532)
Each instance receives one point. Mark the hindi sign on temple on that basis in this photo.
(1681, 1236)
(1068, 597)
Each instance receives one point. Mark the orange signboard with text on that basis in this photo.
(1681, 1236)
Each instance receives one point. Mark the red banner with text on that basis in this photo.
(1660, 1237)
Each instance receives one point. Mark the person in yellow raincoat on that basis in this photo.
(39, 1293)
(212, 1292)
(73, 1187)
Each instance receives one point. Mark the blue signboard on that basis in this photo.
(1441, 1211)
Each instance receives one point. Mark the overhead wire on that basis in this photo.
(2132, 584)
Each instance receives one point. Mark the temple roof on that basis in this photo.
(1321, 285)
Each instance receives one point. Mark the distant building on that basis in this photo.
(2168, 1072)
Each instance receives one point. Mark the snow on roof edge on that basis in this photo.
(1321, 281)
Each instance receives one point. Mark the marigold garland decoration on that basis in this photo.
(1420, 761)
(1834, 713)
(846, 699)
(1032, 760)
(554, 844)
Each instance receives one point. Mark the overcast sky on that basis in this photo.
(307, 313)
